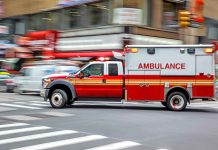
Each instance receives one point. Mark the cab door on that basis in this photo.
(91, 81)
(114, 80)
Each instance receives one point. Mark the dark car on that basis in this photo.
(6, 83)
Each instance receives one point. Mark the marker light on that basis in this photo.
(134, 50)
(208, 50)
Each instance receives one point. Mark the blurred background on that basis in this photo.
(67, 33)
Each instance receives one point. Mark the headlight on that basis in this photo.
(45, 82)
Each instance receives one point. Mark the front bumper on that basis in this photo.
(44, 93)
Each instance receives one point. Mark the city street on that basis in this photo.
(27, 122)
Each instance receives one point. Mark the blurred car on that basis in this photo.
(66, 69)
(7, 83)
(31, 76)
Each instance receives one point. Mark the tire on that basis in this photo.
(176, 101)
(70, 102)
(164, 104)
(58, 98)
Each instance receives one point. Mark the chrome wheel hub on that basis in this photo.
(57, 99)
(177, 102)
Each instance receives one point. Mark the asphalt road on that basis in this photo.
(27, 122)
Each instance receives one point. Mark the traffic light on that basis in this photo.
(184, 18)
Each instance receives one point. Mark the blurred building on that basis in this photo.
(103, 25)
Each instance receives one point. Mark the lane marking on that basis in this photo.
(203, 106)
(57, 114)
(44, 105)
(20, 102)
(19, 106)
(41, 102)
(62, 143)
(32, 103)
(4, 109)
(36, 136)
(116, 146)
(6, 132)
(13, 125)
(21, 117)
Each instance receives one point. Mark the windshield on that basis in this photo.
(81, 68)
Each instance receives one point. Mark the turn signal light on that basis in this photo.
(208, 50)
(131, 50)
(134, 50)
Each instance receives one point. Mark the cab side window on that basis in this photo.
(94, 70)
(113, 70)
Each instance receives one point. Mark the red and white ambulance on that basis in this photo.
(171, 74)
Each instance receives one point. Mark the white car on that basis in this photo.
(31, 76)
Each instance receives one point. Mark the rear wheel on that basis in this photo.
(176, 101)
(58, 98)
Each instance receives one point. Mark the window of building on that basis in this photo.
(45, 21)
(19, 27)
(35, 22)
(50, 20)
(131, 12)
(98, 13)
(170, 13)
(212, 33)
(71, 18)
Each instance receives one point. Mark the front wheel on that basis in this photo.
(176, 101)
(58, 98)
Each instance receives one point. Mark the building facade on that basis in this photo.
(105, 24)
(24, 16)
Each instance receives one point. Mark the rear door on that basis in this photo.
(204, 84)
(114, 80)
(153, 88)
(135, 85)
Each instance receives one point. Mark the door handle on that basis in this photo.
(141, 84)
(103, 80)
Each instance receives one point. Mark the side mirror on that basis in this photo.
(81, 75)
(72, 75)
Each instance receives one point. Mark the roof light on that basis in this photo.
(208, 50)
(103, 58)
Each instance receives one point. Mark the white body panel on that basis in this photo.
(171, 60)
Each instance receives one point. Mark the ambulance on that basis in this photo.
(171, 74)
